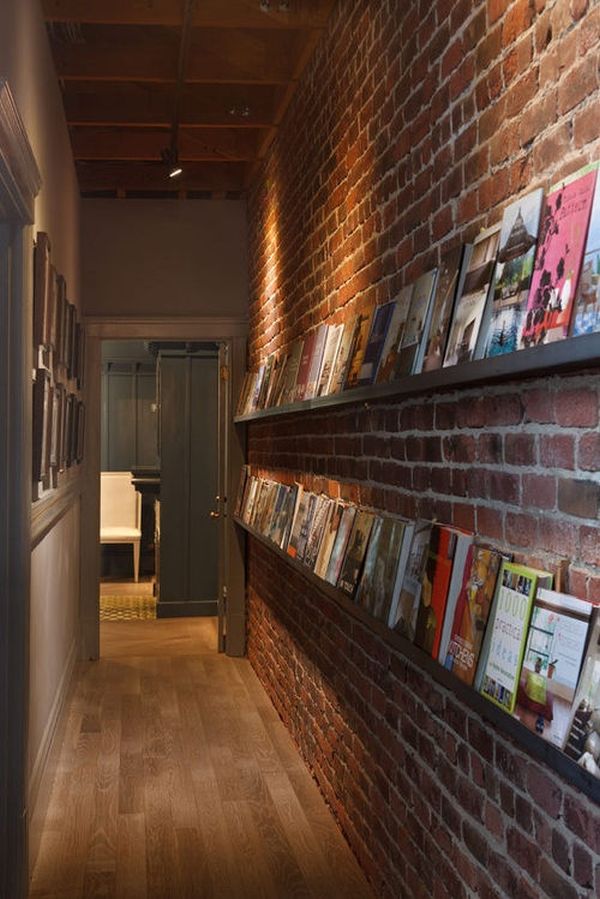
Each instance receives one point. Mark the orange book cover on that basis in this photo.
(434, 591)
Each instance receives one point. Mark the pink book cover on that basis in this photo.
(558, 259)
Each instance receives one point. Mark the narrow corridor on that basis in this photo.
(177, 779)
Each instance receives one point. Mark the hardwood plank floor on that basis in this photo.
(176, 780)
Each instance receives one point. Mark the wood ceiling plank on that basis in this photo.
(195, 145)
(94, 176)
(209, 13)
(144, 103)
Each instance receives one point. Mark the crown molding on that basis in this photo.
(163, 328)
(20, 178)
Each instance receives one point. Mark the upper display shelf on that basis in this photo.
(564, 355)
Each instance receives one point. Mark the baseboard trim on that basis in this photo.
(42, 777)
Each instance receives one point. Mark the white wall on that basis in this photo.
(151, 258)
(26, 62)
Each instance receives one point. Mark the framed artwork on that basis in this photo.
(42, 277)
(70, 340)
(79, 449)
(41, 417)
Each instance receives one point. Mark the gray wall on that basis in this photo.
(146, 258)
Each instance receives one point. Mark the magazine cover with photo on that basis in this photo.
(558, 259)
(582, 743)
(586, 311)
(410, 358)
(394, 337)
(470, 305)
(518, 240)
(356, 551)
(443, 305)
(378, 581)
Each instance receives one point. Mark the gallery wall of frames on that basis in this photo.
(57, 376)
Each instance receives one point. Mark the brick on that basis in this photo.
(555, 885)
(520, 449)
(539, 491)
(557, 451)
(578, 497)
(576, 408)
(588, 456)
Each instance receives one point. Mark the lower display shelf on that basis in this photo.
(535, 746)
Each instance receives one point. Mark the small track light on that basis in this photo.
(170, 157)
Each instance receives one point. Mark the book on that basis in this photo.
(407, 535)
(394, 337)
(442, 308)
(245, 390)
(518, 240)
(280, 382)
(410, 593)
(412, 351)
(244, 473)
(278, 521)
(356, 551)
(266, 380)
(377, 584)
(563, 234)
(556, 642)
(358, 351)
(341, 542)
(471, 614)
(342, 360)
(586, 307)
(304, 367)
(305, 525)
(374, 348)
(469, 307)
(297, 519)
(332, 345)
(461, 570)
(317, 529)
(249, 497)
(282, 534)
(274, 380)
(582, 743)
(316, 362)
(288, 389)
(497, 676)
(435, 583)
(329, 535)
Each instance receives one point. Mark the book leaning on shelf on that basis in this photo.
(382, 573)
(582, 743)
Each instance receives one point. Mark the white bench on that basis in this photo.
(121, 513)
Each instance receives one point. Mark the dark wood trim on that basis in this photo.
(508, 726)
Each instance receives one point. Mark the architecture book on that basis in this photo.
(582, 743)
(379, 328)
(378, 582)
(586, 309)
(461, 570)
(332, 345)
(412, 351)
(329, 536)
(470, 305)
(471, 614)
(558, 259)
(556, 643)
(394, 337)
(518, 239)
(410, 592)
(435, 583)
(501, 657)
(341, 542)
(356, 551)
(442, 308)
(358, 350)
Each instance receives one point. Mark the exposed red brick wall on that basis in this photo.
(414, 125)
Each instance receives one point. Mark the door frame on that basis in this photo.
(231, 331)
(20, 182)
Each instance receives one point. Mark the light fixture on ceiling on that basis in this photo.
(170, 157)
(269, 6)
(240, 112)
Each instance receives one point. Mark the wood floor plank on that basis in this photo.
(177, 780)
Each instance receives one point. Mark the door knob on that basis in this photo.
(214, 514)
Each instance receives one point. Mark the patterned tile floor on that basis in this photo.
(127, 608)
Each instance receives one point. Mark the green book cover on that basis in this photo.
(504, 646)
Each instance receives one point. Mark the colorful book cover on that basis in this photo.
(277, 522)
(410, 593)
(317, 529)
(356, 551)
(341, 542)
(329, 535)
(437, 572)
(586, 309)
(342, 360)
(394, 337)
(407, 536)
(461, 569)
(582, 743)
(556, 642)
(274, 381)
(297, 519)
(442, 308)
(304, 368)
(266, 380)
(305, 526)
(504, 646)
(518, 240)
(378, 580)
(249, 497)
(332, 345)
(291, 373)
(470, 305)
(287, 516)
(471, 614)
(316, 362)
(562, 241)
(358, 351)
(410, 359)
(379, 328)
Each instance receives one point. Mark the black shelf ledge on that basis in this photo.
(535, 746)
(564, 355)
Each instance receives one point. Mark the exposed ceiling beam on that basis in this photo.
(95, 176)
(209, 14)
(195, 144)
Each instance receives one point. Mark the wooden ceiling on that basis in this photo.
(210, 79)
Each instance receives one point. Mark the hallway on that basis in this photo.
(177, 780)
